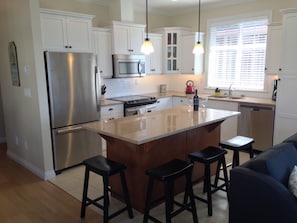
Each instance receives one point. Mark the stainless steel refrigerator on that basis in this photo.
(74, 99)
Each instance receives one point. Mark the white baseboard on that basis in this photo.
(45, 175)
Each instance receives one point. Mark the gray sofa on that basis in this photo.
(259, 188)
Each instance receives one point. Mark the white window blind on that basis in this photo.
(237, 54)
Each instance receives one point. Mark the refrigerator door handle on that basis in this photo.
(98, 88)
(69, 130)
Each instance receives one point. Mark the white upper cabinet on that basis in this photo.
(273, 51)
(102, 48)
(289, 43)
(127, 38)
(172, 48)
(286, 107)
(154, 60)
(65, 31)
(191, 63)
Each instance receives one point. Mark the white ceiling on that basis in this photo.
(173, 7)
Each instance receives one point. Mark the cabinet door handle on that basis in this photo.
(110, 109)
(280, 69)
(70, 46)
(66, 46)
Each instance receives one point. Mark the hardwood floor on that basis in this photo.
(26, 198)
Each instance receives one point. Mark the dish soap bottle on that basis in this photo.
(196, 101)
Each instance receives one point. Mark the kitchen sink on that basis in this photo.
(235, 97)
(226, 96)
(218, 96)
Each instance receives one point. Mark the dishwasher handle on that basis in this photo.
(257, 108)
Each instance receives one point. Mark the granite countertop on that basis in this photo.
(107, 102)
(139, 129)
(246, 100)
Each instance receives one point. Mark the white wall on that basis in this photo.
(26, 118)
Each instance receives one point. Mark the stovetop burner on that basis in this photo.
(135, 100)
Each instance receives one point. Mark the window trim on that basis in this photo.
(230, 20)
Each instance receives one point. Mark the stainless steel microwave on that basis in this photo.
(128, 65)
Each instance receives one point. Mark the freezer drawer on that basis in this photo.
(72, 145)
(257, 122)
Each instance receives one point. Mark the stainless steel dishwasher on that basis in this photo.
(257, 122)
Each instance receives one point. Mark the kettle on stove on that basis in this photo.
(190, 89)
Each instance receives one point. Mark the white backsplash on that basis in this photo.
(147, 84)
(151, 84)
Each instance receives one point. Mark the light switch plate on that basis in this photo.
(27, 92)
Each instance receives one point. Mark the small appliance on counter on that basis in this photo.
(190, 88)
(274, 92)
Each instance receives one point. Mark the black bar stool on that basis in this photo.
(168, 173)
(105, 168)
(208, 156)
(237, 144)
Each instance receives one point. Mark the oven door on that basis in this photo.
(136, 110)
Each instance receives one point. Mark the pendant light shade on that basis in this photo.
(198, 48)
(147, 47)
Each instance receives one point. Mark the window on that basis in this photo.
(237, 53)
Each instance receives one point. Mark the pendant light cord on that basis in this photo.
(146, 20)
(199, 5)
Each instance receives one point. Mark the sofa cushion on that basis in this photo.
(293, 181)
(277, 162)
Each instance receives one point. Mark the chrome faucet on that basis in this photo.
(230, 90)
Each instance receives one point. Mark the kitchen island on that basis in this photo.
(148, 140)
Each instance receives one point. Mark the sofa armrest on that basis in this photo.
(256, 197)
(292, 139)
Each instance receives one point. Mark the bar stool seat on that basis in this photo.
(105, 168)
(237, 144)
(208, 156)
(167, 174)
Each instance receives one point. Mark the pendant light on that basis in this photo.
(198, 48)
(147, 47)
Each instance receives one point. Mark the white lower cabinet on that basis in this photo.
(229, 126)
(109, 112)
(164, 103)
(180, 101)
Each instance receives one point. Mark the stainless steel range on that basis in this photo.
(137, 104)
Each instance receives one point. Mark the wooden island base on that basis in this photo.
(139, 158)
